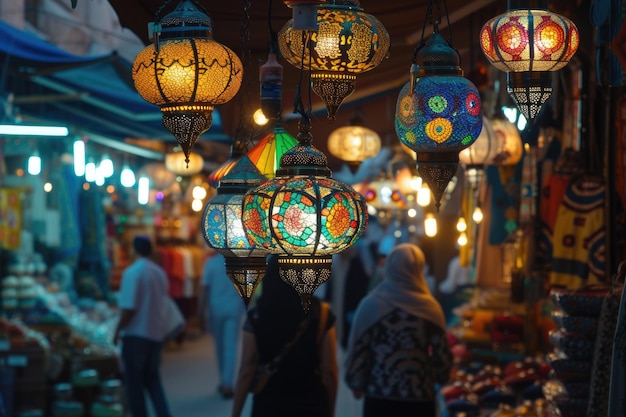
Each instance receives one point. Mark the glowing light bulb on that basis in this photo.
(90, 172)
(477, 215)
(34, 164)
(461, 225)
(462, 240)
(196, 205)
(430, 225)
(79, 158)
(198, 193)
(259, 118)
(47, 187)
(127, 177)
(411, 212)
(143, 191)
(423, 196)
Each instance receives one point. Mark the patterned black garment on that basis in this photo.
(401, 357)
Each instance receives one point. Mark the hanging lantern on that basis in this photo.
(528, 44)
(266, 154)
(438, 113)
(223, 230)
(186, 73)
(354, 143)
(304, 13)
(304, 216)
(479, 153)
(221, 171)
(346, 43)
(510, 145)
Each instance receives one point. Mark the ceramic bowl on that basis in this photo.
(572, 345)
(566, 369)
(579, 302)
(581, 325)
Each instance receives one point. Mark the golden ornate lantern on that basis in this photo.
(354, 143)
(346, 43)
(186, 73)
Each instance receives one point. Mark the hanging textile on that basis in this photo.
(10, 218)
(579, 237)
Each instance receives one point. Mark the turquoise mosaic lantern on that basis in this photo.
(438, 113)
(223, 230)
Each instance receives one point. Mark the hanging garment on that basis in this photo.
(579, 237)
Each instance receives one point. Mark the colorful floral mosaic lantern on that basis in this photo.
(528, 44)
(346, 43)
(304, 216)
(438, 113)
(223, 230)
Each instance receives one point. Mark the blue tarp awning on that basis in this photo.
(100, 91)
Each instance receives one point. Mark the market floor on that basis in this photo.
(190, 380)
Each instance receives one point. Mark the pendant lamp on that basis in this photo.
(438, 113)
(347, 42)
(186, 73)
(223, 230)
(354, 143)
(528, 44)
(266, 154)
(304, 216)
(478, 154)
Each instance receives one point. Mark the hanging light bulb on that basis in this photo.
(196, 205)
(438, 113)
(528, 44)
(346, 42)
(127, 177)
(34, 164)
(259, 118)
(462, 239)
(143, 191)
(90, 171)
(477, 215)
(99, 176)
(199, 192)
(106, 166)
(186, 73)
(430, 225)
(271, 79)
(79, 157)
(461, 225)
(423, 195)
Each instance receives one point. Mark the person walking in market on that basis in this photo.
(398, 349)
(221, 302)
(143, 309)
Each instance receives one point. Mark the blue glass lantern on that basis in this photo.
(438, 113)
(223, 230)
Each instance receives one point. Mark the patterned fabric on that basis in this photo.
(602, 357)
(579, 237)
(400, 357)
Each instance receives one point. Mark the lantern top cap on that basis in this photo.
(304, 158)
(437, 57)
(185, 21)
(244, 173)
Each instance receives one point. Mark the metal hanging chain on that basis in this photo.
(243, 135)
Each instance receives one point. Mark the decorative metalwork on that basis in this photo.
(528, 44)
(186, 73)
(347, 42)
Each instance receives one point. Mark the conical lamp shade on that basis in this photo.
(267, 152)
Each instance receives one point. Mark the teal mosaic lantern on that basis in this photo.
(438, 113)
(304, 216)
(223, 230)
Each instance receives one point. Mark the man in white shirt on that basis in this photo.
(142, 302)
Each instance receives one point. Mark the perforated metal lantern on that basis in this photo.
(354, 143)
(304, 216)
(347, 42)
(186, 73)
(223, 230)
(528, 44)
(438, 113)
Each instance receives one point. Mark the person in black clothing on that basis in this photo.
(305, 384)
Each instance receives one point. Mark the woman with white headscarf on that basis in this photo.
(398, 349)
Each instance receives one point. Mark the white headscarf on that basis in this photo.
(403, 287)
